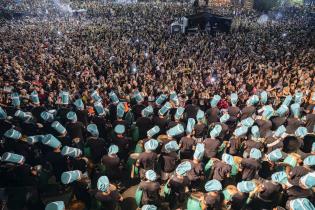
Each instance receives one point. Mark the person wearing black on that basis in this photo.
(96, 144)
(54, 159)
(148, 159)
(161, 120)
(212, 198)
(280, 118)
(112, 163)
(150, 189)
(213, 112)
(250, 109)
(187, 143)
(107, 194)
(122, 142)
(197, 175)
(250, 166)
(144, 123)
(178, 184)
(234, 111)
(168, 159)
(294, 121)
(310, 121)
(138, 107)
(82, 114)
(75, 130)
(200, 127)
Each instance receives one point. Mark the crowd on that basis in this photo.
(93, 104)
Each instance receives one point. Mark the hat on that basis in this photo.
(58, 127)
(71, 151)
(280, 177)
(146, 112)
(255, 153)
(199, 151)
(255, 132)
(160, 99)
(56, 205)
(241, 131)
(282, 110)
(176, 130)
(15, 99)
(47, 116)
(34, 97)
(51, 141)
(179, 112)
(174, 98)
(190, 125)
(150, 175)
(119, 129)
(92, 129)
(301, 204)
(313, 147)
(301, 132)
(298, 97)
(254, 99)
(13, 158)
(153, 131)
(151, 145)
(79, 104)
(35, 139)
(113, 149)
(268, 112)
(149, 207)
(200, 115)
(183, 168)
(246, 186)
(213, 186)
(215, 132)
(120, 110)
(275, 155)
(72, 116)
(165, 108)
(13, 134)
(234, 98)
(263, 97)
(137, 96)
(287, 100)
(248, 122)
(280, 131)
(224, 118)
(227, 158)
(64, 97)
(308, 180)
(215, 100)
(3, 114)
(96, 96)
(23, 115)
(70, 176)
(98, 106)
(295, 109)
(171, 146)
(103, 183)
(113, 97)
(290, 160)
(309, 160)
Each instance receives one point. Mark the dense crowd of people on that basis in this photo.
(92, 104)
